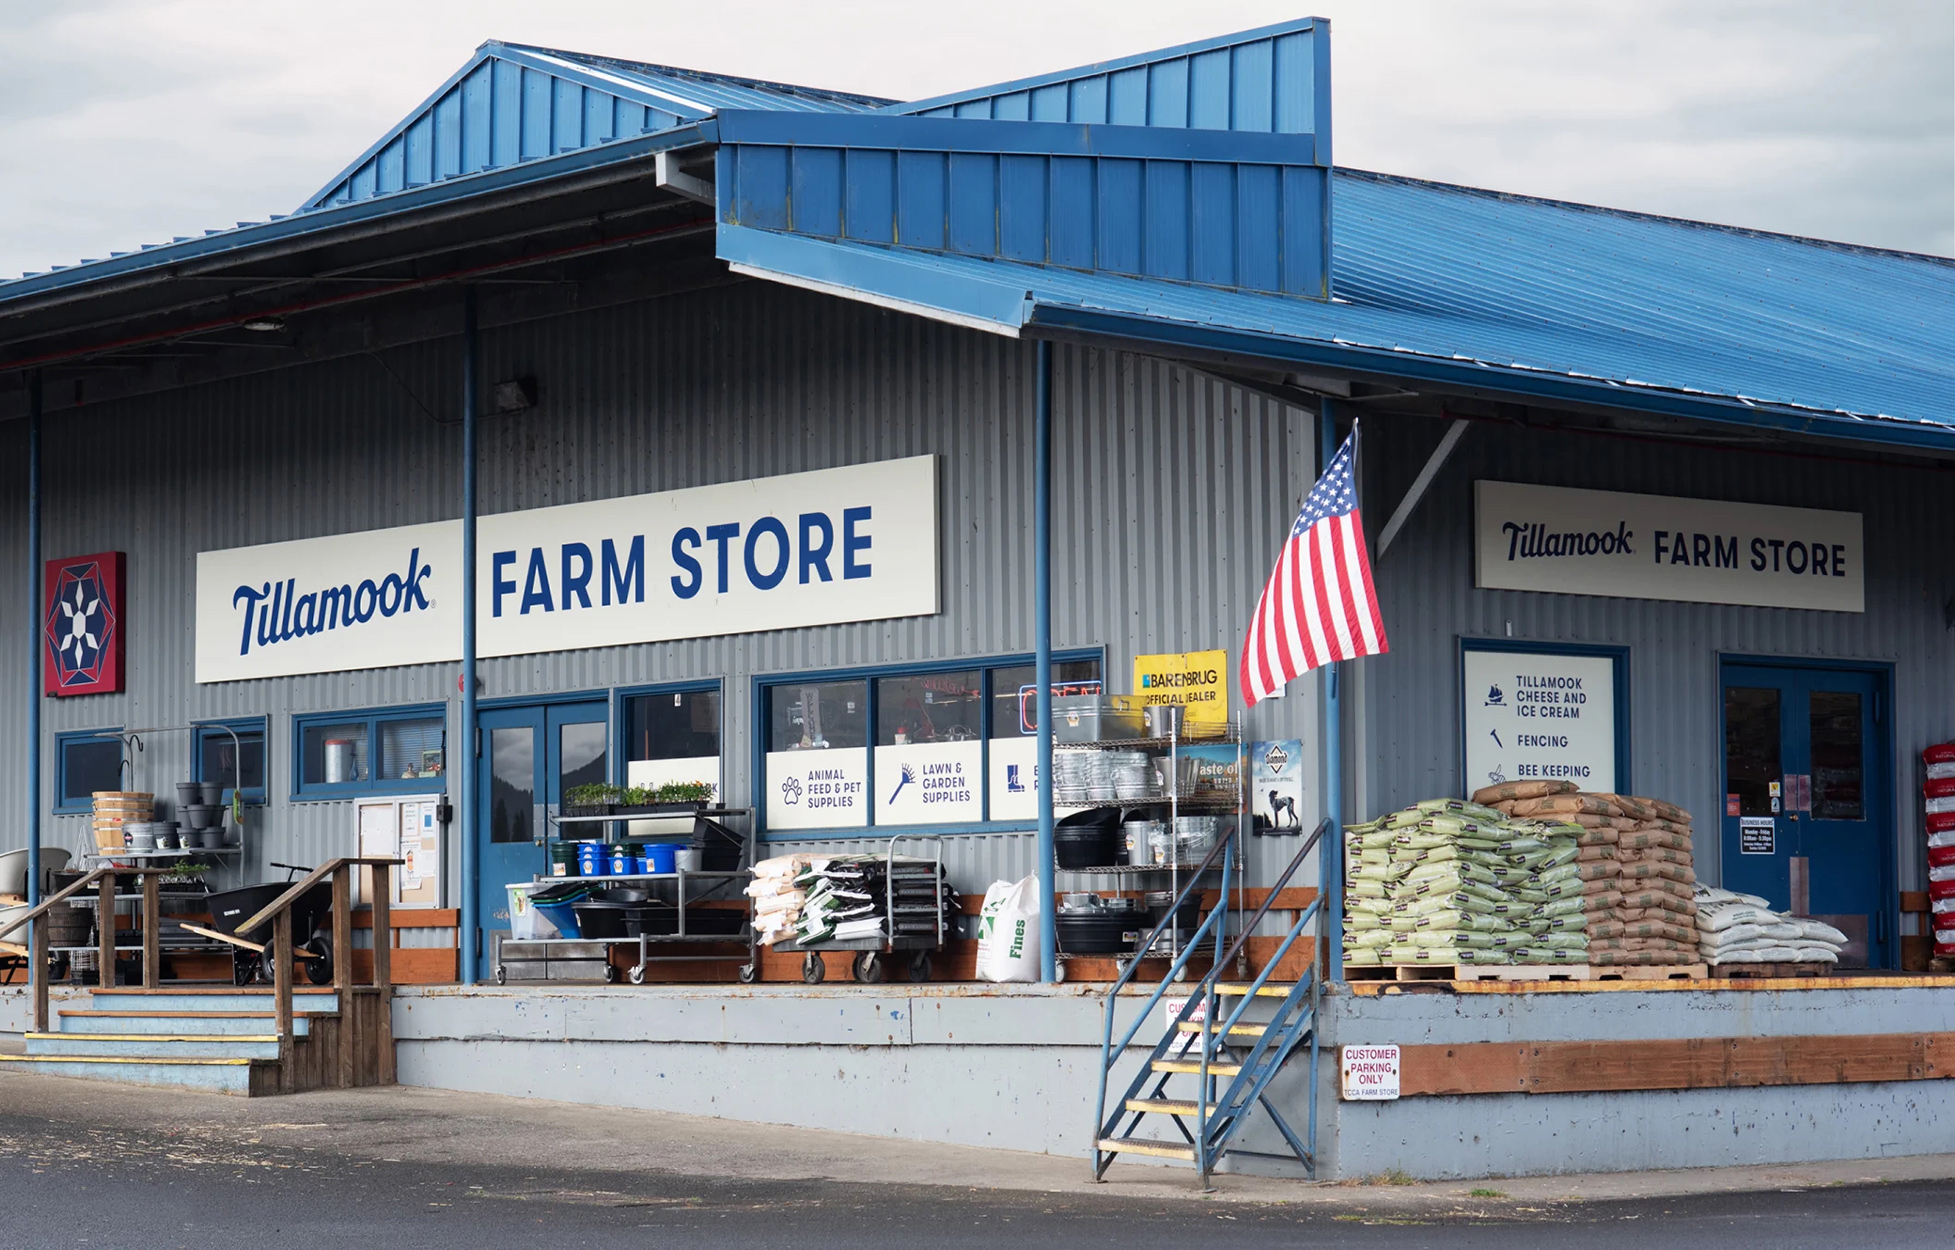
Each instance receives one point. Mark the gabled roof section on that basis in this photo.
(1273, 80)
(514, 102)
(1476, 289)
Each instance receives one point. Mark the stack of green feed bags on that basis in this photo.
(1448, 881)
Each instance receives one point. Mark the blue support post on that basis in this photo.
(470, 934)
(1042, 611)
(34, 591)
(1331, 852)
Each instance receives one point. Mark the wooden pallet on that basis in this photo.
(1535, 972)
(1749, 972)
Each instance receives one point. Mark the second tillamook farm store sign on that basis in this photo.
(857, 543)
(1593, 542)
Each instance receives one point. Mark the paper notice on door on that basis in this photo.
(1757, 835)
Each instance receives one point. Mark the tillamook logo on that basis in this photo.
(282, 614)
(1533, 542)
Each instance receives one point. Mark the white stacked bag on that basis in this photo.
(778, 895)
(1743, 929)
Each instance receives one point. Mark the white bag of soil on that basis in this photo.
(1008, 932)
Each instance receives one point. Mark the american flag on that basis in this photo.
(1319, 605)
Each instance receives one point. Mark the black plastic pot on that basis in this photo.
(1088, 839)
(601, 920)
(1095, 933)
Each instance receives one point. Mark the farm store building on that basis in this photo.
(824, 355)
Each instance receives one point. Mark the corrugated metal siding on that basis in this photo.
(1426, 590)
(1272, 79)
(1171, 492)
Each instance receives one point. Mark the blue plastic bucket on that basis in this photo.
(560, 915)
(661, 857)
(623, 862)
(592, 860)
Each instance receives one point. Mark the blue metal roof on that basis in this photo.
(513, 102)
(1468, 287)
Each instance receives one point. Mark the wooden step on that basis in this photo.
(1142, 1146)
(155, 1037)
(1268, 990)
(125, 1059)
(1194, 1065)
(188, 1015)
(1166, 1106)
(264, 991)
(1240, 1030)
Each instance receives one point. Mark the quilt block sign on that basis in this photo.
(81, 625)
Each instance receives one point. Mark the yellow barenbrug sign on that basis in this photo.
(1198, 680)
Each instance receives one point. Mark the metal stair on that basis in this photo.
(1223, 1065)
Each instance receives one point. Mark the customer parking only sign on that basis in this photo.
(1370, 1073)
(1533, 716)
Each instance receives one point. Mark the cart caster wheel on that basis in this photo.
(1180, 975)
(749, 974)
(1058, 972)
(610, 974)
(813, 970)
(244, 969)
(502, 975)
(920, 966)
(637, 974)
(267, 967)
(871, 968)
(320, 971)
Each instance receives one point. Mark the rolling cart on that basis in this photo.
(913, 920)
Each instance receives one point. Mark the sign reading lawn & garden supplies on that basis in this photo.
(1593, 542)
(857, 543)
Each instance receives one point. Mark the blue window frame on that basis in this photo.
(851, 723)
(84, 762)
(243, 760)
(394, 750)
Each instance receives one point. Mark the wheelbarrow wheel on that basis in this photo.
(319, 971)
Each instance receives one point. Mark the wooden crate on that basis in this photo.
(1528, 972)
(1651, 972)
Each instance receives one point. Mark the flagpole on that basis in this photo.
(1330, 854)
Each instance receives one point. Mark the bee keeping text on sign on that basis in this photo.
(1593, 542)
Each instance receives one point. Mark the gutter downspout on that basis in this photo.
(34, 578)
(1042, 625)
(470, 934)
(1331, 852)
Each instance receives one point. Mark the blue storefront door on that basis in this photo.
(530, 756)
(1808, 794)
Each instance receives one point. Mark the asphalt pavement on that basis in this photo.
(83, 1164)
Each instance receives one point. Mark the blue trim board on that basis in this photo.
(853, 270)
(373, 718)
(1624, 783)
(860, 833)
(980, 136)
(620, 716)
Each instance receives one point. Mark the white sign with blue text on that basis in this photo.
(1594, 542)
(857, 543)
(1535, 716)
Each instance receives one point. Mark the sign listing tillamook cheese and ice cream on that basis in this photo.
(1594, 542)
(1539, 716)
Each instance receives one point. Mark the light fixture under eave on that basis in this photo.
(265, 325)
(513, 395)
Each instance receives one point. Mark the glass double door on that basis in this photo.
(1808, 802)
(531, 756)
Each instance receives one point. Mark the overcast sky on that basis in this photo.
(130, 121)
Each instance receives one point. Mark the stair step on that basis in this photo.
(176, 1045)
(1142, 1146)
(1194, 1065)
(1267, 991)
(195, 1000)
(89, 1020)
(1240, 1030)
(1167, 1106)
(218, 1076)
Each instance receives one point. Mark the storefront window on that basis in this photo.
(817, 755)
(1751, 747)
(671, 737)
(930, 748)
(1014, 780)
(233, 760)
(399, 749)
(86, 764)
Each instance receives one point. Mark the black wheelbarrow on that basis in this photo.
(251, 954)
